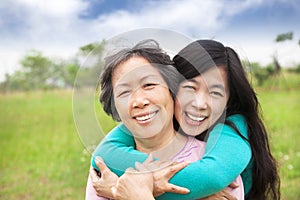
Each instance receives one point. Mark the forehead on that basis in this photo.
(132, 69)
(214, 75)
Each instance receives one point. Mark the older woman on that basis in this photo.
(137, 88)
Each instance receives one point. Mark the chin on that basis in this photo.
(191, 132)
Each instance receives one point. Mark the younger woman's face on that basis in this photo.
(201, 100)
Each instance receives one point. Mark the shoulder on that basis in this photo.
(120, 128)
(236, 121)
(240, 122)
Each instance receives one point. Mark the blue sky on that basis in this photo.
(59, 28)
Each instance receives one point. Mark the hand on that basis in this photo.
(134, 185)
(223, 195)
(104, 183)
(233, 185)
(162, 172)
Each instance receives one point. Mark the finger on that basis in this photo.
(158, 164)
(140, 167)
(105, 171)
(176, 189)
(93, 174)
(164, 163)
(114, 192)
(175, 168)
(149, 159)
(130, 170)
(234, 185)
(228, 195)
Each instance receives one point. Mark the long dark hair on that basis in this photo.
(191, 62)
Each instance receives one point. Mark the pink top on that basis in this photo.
(192, 151)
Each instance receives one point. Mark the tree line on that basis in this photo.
(39, 72)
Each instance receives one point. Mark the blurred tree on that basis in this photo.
(284, 36)
(277, 67)
(90, 69)
(40, 72)
(86, 49)
(72, 69)
(280, 38)
(37, 69)
(5, 85)
(260, 73)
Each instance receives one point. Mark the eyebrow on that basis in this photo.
(124, 84)
(121, 85)
(150, 76)
(220, 86)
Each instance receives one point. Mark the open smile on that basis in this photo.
(195, 118)
(144, 118)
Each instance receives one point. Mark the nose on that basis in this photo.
(200, 101)
(139, 99)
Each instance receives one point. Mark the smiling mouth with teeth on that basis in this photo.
(145, 117)
(195, 118)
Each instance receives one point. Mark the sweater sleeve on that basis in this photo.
(117, 150)
(226, 156)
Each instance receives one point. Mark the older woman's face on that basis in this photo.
(142, 98)
(201, 100)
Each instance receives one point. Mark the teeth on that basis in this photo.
(194, 118)
(146, 117)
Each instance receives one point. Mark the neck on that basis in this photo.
(163, 145)
(156, 142)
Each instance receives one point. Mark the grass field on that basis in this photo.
(42, 156)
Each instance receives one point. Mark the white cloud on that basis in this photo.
(183, 16)
(56, 28)
(54, 8)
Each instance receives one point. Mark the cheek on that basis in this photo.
(218, 108)
(184, 99)
(181, 97)
(121, 107)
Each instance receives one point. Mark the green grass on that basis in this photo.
(281, 114)
(42, 156)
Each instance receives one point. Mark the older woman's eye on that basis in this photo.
(149, 85)
(123, 93)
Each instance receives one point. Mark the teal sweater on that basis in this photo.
(226, 156)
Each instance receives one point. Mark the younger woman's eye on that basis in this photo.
(189, 87)
(215, 93)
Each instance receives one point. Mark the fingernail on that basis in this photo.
(98, 159)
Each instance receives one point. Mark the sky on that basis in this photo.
(58, 28)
